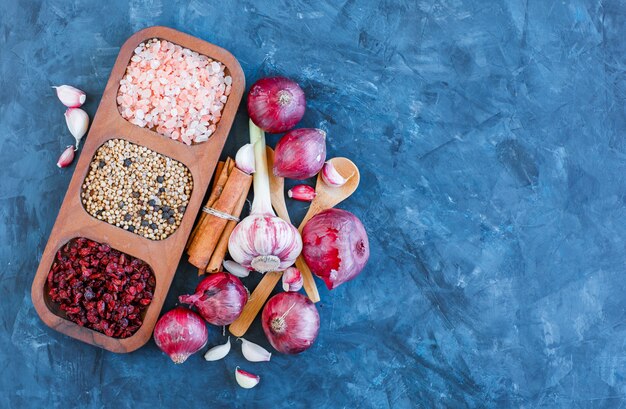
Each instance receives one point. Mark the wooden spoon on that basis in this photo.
(263, 290)
(327, 197)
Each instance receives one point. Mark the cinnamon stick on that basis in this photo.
(210, 227)
(218, 185)
(215, 263)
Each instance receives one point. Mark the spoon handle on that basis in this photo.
(307, 277)
(262, 291)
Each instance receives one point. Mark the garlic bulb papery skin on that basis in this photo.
(69, 96)
(331, 176)
(262, 241)
(218, 352)
(245, 379)
(244, 159)
(254, 352)
(77, 122)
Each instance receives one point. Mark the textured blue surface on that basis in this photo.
(490, 137)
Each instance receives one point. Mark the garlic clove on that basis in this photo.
(218, 352)
(77, 122)
(244, 159)
(66, 158)
(331, 176)
(236, 269)
(303, 193)
(245, 379)
(69, 96)
(292, 279)
(253, 352)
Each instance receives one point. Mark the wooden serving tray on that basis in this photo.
(162, 255)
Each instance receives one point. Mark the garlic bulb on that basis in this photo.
(262, 241)
(66, 158)
(244, 159)
(254, 352)
(331, 176)
(69, 96)
(292, 279)
(236, 269)
(77, 122)
(218, 352)
(245, 379)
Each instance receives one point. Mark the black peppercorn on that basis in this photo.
(160, 179)
(127, 162)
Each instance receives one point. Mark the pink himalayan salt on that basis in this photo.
(174, 91)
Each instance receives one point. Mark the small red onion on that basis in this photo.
(300, 154)
(219, 298)
(276, 104)
(290, 322)
(180, 333)
(335, 246)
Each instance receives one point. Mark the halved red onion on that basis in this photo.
(300, 154)
(290, 322)
(276, 104)
(335, 246)
(219, 298)
(180, 333)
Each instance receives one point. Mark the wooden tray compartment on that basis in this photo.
(162, 255)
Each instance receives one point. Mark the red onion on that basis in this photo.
(180, 333)
(300, 154)
(335, 246)
(290, 322)
(219, 298)
(276, 104)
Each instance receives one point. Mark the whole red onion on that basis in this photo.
(335, 246)
(180, 333)
(300, 154)
(290, 322)
(276, 104)
(219, 298)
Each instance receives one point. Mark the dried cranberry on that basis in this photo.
(100, 288)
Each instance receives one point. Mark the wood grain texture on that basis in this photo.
(163, 255)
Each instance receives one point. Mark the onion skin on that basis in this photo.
(300, 154)
(276, 104)
(219, 298)
(335, 246)
(290, 322)
(180, 333)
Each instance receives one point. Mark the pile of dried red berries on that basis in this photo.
(101, 288)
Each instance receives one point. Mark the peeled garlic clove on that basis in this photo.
(218, 352)
(253, 352)
(236, 269)
(77, 122)
(331, 176)
(244, 159)
(245, 379)
(66, 158)
(69, 96)
(292, 279)
(303, 193)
